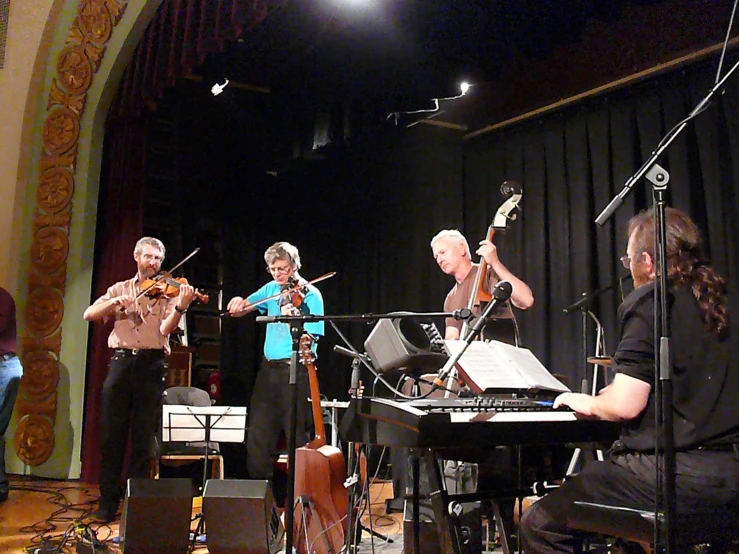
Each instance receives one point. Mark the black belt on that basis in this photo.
(138, 351)
(283, 362)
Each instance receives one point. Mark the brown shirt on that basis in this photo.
(8, 339)
(139, 326)
(459, 297)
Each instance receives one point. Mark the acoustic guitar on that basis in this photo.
(322, 502)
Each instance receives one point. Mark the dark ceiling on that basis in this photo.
(393, 51)
(369, 59)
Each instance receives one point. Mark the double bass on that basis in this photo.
(320, 515)
(505, 330)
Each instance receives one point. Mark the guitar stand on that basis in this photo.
(306, 506)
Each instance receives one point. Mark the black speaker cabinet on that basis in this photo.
(156, 516)
(240, 517)
(401, 343)
(466, 528)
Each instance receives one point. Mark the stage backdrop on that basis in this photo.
(403, 186)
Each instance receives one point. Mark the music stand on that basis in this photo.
(206, 424)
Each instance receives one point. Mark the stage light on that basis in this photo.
(218, 89)
(463, 87)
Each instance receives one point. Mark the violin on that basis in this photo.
(294, 292)
(168, 287)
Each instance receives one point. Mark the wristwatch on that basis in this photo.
(177, 309)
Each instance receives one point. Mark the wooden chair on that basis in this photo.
(181, 453)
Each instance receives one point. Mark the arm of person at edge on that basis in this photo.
(6, 309)
(627, 396)
(522, 297)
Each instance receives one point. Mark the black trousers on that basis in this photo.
(132, 398)
(269, 414)
(703, 479)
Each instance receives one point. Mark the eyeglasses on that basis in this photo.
(152, 257)
(626, 260)
(283, 270)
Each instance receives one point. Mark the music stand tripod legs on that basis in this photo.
(194, 424)
(585, 386)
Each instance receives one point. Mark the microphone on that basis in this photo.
(464, 314)
(501, 293)
(354, 385)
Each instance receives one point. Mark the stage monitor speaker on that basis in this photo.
(156, 516)
(465, 528)
(402, 343)
(240, 517)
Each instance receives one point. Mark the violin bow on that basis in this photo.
(287, 291)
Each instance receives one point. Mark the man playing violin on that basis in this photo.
(269, 412)
(133, 389)
(452, 253)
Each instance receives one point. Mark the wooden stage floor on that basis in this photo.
(41, 513)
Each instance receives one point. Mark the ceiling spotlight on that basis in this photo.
(464, 87)
(218, 89)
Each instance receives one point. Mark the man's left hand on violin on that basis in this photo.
(289, 309)
(186, 296)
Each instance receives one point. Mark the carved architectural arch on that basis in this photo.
(76, 66)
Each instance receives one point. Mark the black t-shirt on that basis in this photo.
(705, 371)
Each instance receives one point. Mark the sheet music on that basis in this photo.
(188, 423)
(496, 366)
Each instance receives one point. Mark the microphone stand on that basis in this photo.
(296, 332)
(296, 323)
(664, 535)
(582, 306)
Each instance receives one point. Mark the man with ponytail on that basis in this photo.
(704, 329)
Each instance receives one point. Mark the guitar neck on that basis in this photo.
(315, 398)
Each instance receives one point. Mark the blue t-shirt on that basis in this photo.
(278, 342)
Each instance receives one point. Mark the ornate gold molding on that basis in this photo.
(76, 67)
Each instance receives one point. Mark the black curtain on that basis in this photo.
(571, 165)
(370, 211)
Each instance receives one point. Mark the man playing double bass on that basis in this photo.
(452, 253)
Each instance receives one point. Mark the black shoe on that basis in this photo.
(106, 511)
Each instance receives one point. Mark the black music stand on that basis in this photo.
(207, 424)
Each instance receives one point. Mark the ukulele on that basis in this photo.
(320, 515)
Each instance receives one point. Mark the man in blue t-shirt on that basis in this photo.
(269, 412)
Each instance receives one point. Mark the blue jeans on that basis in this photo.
(10, 379)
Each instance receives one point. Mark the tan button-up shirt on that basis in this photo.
(139, 326)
